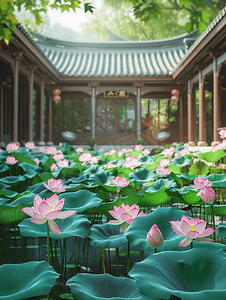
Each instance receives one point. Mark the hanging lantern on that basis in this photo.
(175, 98)
(175, 92)
(56, 98)
(56, 92)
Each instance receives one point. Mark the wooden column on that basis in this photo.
(216, 103)
(50, 109)
(202, 111)
(190, 116)
(30, 106)
(41, 113)
(1, 108)
(181, 116)
(138, 99)
(93, 103)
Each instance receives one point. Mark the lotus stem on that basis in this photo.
(128, 259)
(214, 234)
(65, 257)
(48, 251)
(155, 250)
(192, 245)
(51, 248)
(141, 254)
(103, 264)
(15, 244)
(39, 250)
(87, 257)
(117, 261)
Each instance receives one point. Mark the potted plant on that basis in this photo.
(92, 142)
(139, 141)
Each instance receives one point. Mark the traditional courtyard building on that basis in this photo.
(114, 91)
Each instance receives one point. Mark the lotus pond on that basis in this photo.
(131, 224)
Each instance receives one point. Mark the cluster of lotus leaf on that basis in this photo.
(198, 273)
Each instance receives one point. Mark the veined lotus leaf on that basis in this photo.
(107, 236)
(218, 180)
(23, 158)
(147, 160)
(8, 194)
(152, 166)
(4, 167)
(72, 170)
(199, 168)
(36, 188)
(75, 225)
(197, 273)
(221, 230)
(104, 287)
(80, 200)
(93, 170)
(156, 194)
(76, 187)
(187, 193)
(118, 162)
(13, 179)
(112, 156)
(179, 148)
(76, 180)
(40, 178)
(188, 178)
(42, 157)
(212, 156)
(136, 233)
(30, 279)
(181, 161)
(142, 176)
(103, 179)
(4, 186)
(25, 198)
(219, 210)
(29, 168)
(12, 215)
(3, 155)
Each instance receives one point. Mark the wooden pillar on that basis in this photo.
(50, 108)
(30, 105)
(202, 111)
(190, 115)
(216, 103)
(1, 108)
(41, 113)
(138, 99)
(181, 116)
(93, 103)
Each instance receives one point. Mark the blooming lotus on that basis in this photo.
(79, 150)
(42, 149)
(85, 158)
(94, 160)
(222, 133)
(125, 214)
(131, 162)
(208, 195)
(51, 150)
(168, 152)
(10, 160)
(200, 183)
(48, 210)
(61, 144)
(124, 150)
(164, 162)
(55, 185)
(139, 147)
(112, 151)
(154, 237)
(53, 167)
(119, 182)
(58, 156)
(176, 155)
(183, 152)
(63, 163)
(101, 150)
(162, 171)
(146, 151)
(30, 145)
(108, 165)
(36, 160)
(11, 147)
(195, 149)
(193, 229)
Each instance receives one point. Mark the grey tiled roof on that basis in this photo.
(114, 58)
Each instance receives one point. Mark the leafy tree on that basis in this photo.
(36, 7)
(199, 13)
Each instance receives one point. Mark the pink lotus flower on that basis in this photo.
(124, 150)
(42, 149)
(94, 160)
(53, 167)
(208, 195)
(10, 160)
(125, 214)
(101, 150)
(108, 165)
(174, 143)
(55, 186)
(36, 160)
(48, 210)
(63, 163)
(200, 183)
(119, 182)
(162, 171)
(176, 155)
(195, 149)
(61, 144)
(164, 162)
(79, 150)
(11, 147)
(52, 150)
(193, 229)
(186, 145)
(110, 152)
(85, 157)
(183, 152)
(146, 151)
(168, 152)
(58, 156)
(154, 237)
(30, 145)
(139, 147)
(131, 162)
(222, 133)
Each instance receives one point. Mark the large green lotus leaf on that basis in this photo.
(153, 166)
(76, 180)
(218, 180)
(8, 194)
(188, 178)
(46, 194)
(36, 188)
(80, 200)
(174, 169)
(221, 230)
(47, 164)
(212, 156)
(12, 215)
(147, 160)
(39, 178)
(29, 168)
(12, 179)
(156, 194)
(197, 273)
(199, 168)
(142, 176)
(76, 187)
(112, 156)
(96, 169)
(179, 148)
(103, 179)
(107, 236)
(72, 170)
(104, 286)
(187, 193)
(4, 167)
(75, 225)
(3, 155)
(136, 233)
(219, 210)
(4, 186)
(181, 161)
(42, 157)
(22, 158)
(30, 279)
(124, 172)
(118, 162)
(25, 198)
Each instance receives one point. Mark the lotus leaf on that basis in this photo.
(142, 176)
(219, 210)
(75, 225)
(4, 167)
(104, 287)
(197, 273)
(12, 215)
(29, 168)
(199, 168)
(221, 230)
(187, 193)
(136, 233)
(93, 170)
(181, 161)
(30, 279)
(12, 179)
(212, 156)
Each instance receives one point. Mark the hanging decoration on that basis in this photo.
(175, 98)
(175, 92)
(56, 92)
(56, 98)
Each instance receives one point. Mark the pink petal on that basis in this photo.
(178, 231)
(37, 202)
(185, 218)
(134, 212)
(66, 214)
(52, 215)
(206, 232)
(29, 211)
(39, 221)
(200, 226)
(60, 205)
(53, 200)
(185, 227)
(38, 216)
(185, 242)
(45, 185)
(204, 239)
(43, 208)
(53, 226)
(116, 222)
(114, 214)
(141, 214)
(192, 234)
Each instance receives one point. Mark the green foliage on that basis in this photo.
(139, 141)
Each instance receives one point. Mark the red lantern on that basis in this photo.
(175, 98)
(175, 92)
(56, 92)
(56, 98)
